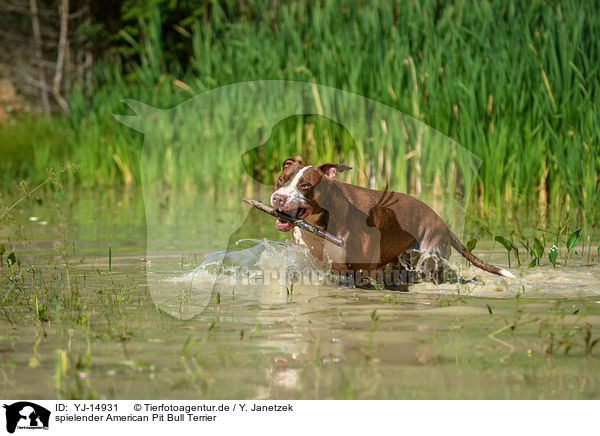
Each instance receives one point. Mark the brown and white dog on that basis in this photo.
(376, 226)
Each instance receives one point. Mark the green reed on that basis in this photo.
(516, 83)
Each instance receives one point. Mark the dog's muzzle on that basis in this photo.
(293, 208)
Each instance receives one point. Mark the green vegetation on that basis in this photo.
(516, 83)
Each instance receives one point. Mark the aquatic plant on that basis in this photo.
(536, 252)
(510, 247)
(517, 86)
(553, 255)
(571, 242)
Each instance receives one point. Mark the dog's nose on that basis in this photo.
(278, 200)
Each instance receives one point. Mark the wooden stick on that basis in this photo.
(300, 223)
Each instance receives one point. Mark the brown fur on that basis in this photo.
(377, 226)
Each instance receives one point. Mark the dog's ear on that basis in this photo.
(290, 161)
(330, 170)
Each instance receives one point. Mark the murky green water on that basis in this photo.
(131, 326)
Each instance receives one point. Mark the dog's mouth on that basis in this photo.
(298, 213)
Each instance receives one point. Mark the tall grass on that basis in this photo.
(517, 83)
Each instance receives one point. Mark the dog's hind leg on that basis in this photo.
(433, 261)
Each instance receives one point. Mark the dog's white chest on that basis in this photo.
(335, 253)
(330, 252)
(297, 235)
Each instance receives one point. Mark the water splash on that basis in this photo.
(266, 259)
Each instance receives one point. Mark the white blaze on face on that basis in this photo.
(290, 189)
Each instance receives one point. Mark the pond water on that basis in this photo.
(78, 322)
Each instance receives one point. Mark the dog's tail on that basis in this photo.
(455, 242)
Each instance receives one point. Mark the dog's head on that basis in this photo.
(299, 187)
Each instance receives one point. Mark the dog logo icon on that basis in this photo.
(26, 415)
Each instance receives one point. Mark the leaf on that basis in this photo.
(539, 248)
(471, 244)
(374, 315)
(11, 259)
(569, 346)
(489, 309)
(531, 264)
(573, 238)
(505, 242)
(187, 346)
(139, 365)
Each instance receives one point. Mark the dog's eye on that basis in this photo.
(304, 185)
